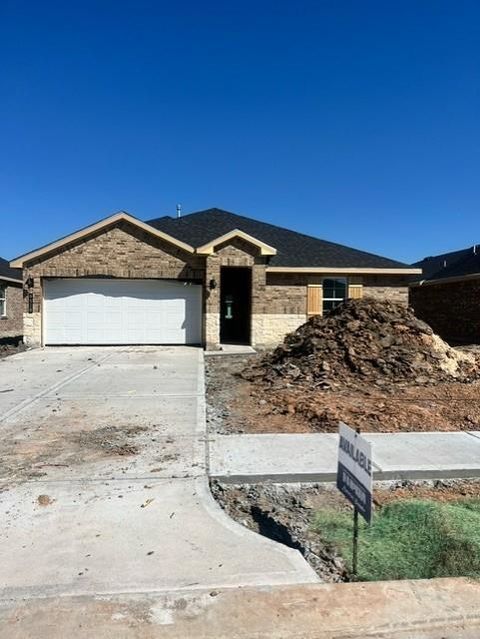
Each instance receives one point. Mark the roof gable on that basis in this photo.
(93, 228)
(209, 247)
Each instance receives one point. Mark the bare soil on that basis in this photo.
(284, 512)
(30, 452)
(237, 405)
(8, 349)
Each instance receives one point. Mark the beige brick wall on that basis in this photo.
(285, 293)
(390, 288)
(269, 329)
(32, 329)
(11, 325)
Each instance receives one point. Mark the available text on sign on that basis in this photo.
(355, 470)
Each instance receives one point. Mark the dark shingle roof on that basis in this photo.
(435, 263)
(293, 249)
(466, 265)
(6, 271)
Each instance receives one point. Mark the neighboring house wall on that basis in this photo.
(11, 324)
(122, 251)
(451, 308)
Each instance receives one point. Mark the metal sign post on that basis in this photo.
(355, 541)
(355, 478)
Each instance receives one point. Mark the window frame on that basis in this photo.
(340, 300)
(3, 298)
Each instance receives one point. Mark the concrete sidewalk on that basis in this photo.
(313, 457)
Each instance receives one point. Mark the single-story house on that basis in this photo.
(208, 278)
(11, 302)
(448, 295)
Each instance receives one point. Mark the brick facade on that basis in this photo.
(122, 250)
(384, 287)
(451, 308)
(11, 324)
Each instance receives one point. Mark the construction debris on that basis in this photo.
(363, 342)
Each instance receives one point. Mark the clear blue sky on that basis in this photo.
(357, 122)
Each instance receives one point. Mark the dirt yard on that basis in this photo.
(10, 348)
(236, 405)
(285, 512)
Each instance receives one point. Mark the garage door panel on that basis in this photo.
(100, 311)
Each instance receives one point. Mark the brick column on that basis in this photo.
(212, 303)
(32, 321)
(259, 283)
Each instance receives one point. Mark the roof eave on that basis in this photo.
(4, 278)
(446, 280)
(356, 270)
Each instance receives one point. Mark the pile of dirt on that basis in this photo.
(363, 342)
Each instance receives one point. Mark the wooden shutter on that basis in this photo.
(314, 299)
(355, 291)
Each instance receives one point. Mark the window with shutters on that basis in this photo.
(334, 293)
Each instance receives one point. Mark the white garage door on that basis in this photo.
(100, 311)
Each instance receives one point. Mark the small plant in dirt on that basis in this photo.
(410, 540)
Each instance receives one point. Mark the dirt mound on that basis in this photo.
(363, 342)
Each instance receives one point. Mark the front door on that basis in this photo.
(235, 305)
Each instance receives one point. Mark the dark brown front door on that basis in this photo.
(235, 305)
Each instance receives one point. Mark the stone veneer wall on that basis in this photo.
(269, 329)
(122, 250)
(11, 325)
(451, 308)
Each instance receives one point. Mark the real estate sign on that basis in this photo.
(355, 470)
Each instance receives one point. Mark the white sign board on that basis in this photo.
(355, 470)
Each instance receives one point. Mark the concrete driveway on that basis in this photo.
(103, 480)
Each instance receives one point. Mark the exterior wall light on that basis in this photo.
(212, 284)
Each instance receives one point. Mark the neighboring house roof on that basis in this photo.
(467, 265)
(9, 274)
(435, 263)
(293, 249)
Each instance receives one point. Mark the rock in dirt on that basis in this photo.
(363, 342)
(44, 500)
